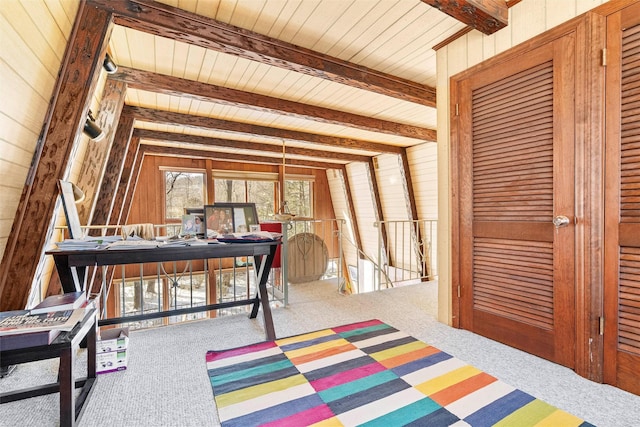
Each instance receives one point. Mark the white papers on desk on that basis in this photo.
(132, 244)
(250, 237)
(190, 241)
(82, 244)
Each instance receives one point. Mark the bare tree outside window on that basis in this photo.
(298, 195)
(243, 191)
(229, 191)
(262, 193)
(183, 190)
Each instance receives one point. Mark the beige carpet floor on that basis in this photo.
(166, 383)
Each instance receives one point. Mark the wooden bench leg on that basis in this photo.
(67, 388)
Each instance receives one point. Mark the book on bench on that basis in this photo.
(23, 321)
(66, 301)
(42, 324)
(28, 339)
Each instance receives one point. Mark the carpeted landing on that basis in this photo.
(365, 374)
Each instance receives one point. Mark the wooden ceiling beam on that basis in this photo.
(247, 129)
(486, 16)
(177, 24)
(216, 155)
(243, 145)
(168, 85)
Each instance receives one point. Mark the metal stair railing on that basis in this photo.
(409, 254)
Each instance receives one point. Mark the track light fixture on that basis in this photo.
(92, 129)
(108, 64)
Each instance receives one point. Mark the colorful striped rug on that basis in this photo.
(366, 373)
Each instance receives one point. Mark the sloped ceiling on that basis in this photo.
(184, 89)
(338, 81)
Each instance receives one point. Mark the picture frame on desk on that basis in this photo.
(197, 215)
(218, 219)
(224, 218)
(188, 225)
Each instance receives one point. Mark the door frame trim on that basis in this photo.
(589, 31)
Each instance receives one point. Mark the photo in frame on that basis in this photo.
(224, 218)
(188, 225)
(196, 217)
(218, 219)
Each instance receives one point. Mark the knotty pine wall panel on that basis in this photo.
(393, 194)
(337, 189)
(34, 36)
(364, 207)
(423, 162)
(147, 204)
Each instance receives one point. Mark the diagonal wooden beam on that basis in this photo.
(248, 129)
(113, 171)
(486, 16)
(177, 24)
(96, 156)
(243, 145)
(132, 181)
(187, 152)
(168, 85)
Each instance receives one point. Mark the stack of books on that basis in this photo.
(42, 324)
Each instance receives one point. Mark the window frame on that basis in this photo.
(163, 170)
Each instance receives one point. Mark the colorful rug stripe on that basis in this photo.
(365, 374)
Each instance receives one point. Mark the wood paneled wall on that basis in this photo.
(423, 162)
(363, 205)
(34, 37)
(391, 184)
(147, 204)
(337, 187)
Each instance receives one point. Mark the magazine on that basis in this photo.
(22, 321)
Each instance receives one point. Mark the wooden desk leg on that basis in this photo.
(88, 384)
(69, 281)
(67, 387)
(266, 314)
(263, 267)
(91, 351)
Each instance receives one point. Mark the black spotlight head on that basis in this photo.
(108, 64)
(92, 129)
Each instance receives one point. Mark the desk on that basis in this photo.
(263, 252)
(64, 347)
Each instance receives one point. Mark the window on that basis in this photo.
(299, 197)
(262, 189)
(183, 189)
(247, 187)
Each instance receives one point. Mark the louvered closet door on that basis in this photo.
(516, 135)
(622, 211)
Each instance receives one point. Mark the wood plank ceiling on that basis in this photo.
(338, 81)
